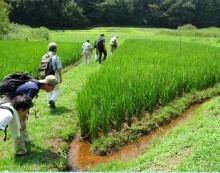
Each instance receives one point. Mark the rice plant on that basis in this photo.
(26, 56)
(143, 74)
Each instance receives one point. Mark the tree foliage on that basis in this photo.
(79, 13)
(4, 21)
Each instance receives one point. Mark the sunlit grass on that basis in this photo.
(26, 56)
(141, 74)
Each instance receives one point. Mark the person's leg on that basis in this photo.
(89, 58)
(49, 95)
(105, 55)
(19, 145)
(100, 57)
(25, 135)
(112, 48)
(56, 92)
(85, 56)
(97, 55)
(53, 95)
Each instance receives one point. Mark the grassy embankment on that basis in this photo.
(192, 146)
(54, 127)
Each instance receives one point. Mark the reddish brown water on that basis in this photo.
(81, 156)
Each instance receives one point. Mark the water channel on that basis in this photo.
(81, 156)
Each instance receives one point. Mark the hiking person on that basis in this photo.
(113, 43)
(57, 67)
(87, 51)
(11, 114)
(29, 89)
(100, 45)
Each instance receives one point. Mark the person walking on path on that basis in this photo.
(87, 51)
(11, 114)
(114, 43)
(57, 67)
(100, 45)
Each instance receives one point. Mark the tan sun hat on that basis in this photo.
(51, 79)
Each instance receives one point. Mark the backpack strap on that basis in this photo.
(6, 107)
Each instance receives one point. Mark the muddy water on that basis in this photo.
(81, 156)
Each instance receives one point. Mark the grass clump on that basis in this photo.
(187, 27)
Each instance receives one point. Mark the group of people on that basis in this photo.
(100, 47)
(14, 107)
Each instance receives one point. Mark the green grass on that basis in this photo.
(51, 130)
(192, 146)
(147, 124)
(137, 33)
(140, 75)
(26, 55)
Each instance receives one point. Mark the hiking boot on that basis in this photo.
(25, 154)
(52, 104)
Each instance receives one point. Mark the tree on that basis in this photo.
(172, 13)
(117, 12)
(4, 21)
(73, 15)
(207, 13)
(141, 12)
(92, 10)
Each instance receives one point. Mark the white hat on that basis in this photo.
(51, 79)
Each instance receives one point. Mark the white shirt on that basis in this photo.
(86, 46)
(56, 63)
(113, 41)
(13, 121)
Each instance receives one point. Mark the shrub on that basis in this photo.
(187, 27)
(22, 32)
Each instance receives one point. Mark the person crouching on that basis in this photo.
(11, 114)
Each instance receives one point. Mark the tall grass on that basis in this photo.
(141, 75)
(181, 31)
(22, 32)
(27, 55)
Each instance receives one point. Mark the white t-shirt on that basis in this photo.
(86, 46)
(13, 121)
(113, 41)
(5, 118)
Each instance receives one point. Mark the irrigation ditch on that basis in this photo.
(132, 141)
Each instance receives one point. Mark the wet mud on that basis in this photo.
(81, 156)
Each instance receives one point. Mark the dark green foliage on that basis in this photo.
(172, 13)
(73, 15)
(4, 21)
(78, 13)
